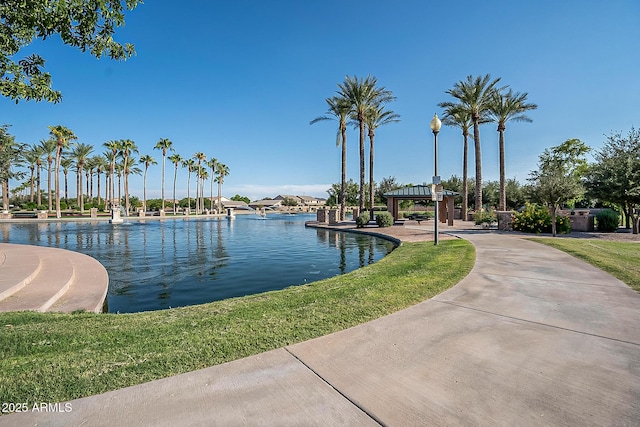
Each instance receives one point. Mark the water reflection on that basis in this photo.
(160, 264)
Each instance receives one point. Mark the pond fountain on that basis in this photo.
(161, 263)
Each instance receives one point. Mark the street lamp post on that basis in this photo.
(435, 128)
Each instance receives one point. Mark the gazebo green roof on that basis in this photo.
(417, 191)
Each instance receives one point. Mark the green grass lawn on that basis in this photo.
(49, 357)
(620, 259)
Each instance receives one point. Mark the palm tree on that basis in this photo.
(164, 144)
(62, 136)
(458, 116)
(212, 163)
(126, 148)
(222, 170)
(362, 94)
(190, 165)
(374, 118)
(147, 160)
(176, 159)
(475, 95)
(506, 107)
(100, 163)
(200, 157)
(48, 148)
(203, 177)
(339, 109)
(66, 164)
(31, 156)
(80, 154)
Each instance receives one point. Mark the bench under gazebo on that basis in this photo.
(420, 193)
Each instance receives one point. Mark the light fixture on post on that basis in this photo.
(435, 126)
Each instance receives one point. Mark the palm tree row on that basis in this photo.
(118, 160)
(360, 102)
(479, 100)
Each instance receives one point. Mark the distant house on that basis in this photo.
(266, 203)
(284, 197)
(311, 201)
(240, 205)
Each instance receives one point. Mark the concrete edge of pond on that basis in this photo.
(37, 278)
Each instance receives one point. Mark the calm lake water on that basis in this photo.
(158, 264)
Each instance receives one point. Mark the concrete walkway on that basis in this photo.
(531, 336)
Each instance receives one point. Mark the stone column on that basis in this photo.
(505, 222)
(321, 216)
(334, 216)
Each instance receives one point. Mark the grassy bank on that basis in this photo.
(56, 357)
(620, 259)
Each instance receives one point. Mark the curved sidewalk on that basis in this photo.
(531, 336)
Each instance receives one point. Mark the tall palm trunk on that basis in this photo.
(503, 193)
(362, 172)
(38, 192)
(32, 183)
(343, 177)
(465, 174)
(478, 155)
(164, 158)
(57, 179)
(49, 201)
(98, 173)
(371, 198)
(175, 177)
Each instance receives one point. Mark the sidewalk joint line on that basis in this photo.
(537, 323)
(356, 404)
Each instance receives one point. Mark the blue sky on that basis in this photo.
(241, 80)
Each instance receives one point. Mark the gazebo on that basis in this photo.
(422, 192)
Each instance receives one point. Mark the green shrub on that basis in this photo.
(608, 221)
(533, 219)
(484, 217)
(384, 219)
(563, 224)
(362, 220)
(63, 205)
(537, 219)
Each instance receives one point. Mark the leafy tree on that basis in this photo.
(506, 107)
(375, 117)
(88, 25)
(10, 157)
(615, 177)
(163, 144)
(351, 193)
(515, 194)
(239, 198)
(385, 186)
(559, 174)
(491, 194)
(339, 109)
(474, 95)
(362, 94)
(288, 201)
